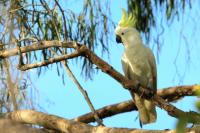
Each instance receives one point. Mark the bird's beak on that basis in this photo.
(118, 39)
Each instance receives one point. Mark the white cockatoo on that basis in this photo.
(139, 64)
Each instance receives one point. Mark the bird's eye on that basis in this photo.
(122, 33)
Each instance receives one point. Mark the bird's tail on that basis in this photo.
(146, 109)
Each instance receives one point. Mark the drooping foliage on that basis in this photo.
(145, 12)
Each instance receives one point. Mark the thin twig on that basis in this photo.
(10, 84)
(63, 15)
(27, 5)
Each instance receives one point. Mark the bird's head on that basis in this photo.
(125, 31)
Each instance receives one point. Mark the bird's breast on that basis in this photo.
(138, 65)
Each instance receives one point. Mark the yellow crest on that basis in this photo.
(130, 22)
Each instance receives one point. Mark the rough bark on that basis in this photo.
(11, 126)
(66, 126)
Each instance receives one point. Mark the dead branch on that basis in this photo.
(169, 94)
(67, 126)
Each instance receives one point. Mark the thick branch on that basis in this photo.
(11, 126)
(67, 126)
(169, 94)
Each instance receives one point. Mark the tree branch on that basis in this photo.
(76, 53)
(37, 46)
(67, 126)
(11, 126)
(193, 117)
(169, 94)
(10, 84)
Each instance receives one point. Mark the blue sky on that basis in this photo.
(66, 101)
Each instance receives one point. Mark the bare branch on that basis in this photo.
(76, 53)
(36, 46)
(67, 126)
(169, 94)
(108, 111)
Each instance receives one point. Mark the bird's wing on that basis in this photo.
(126, 67)
(152, 63)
